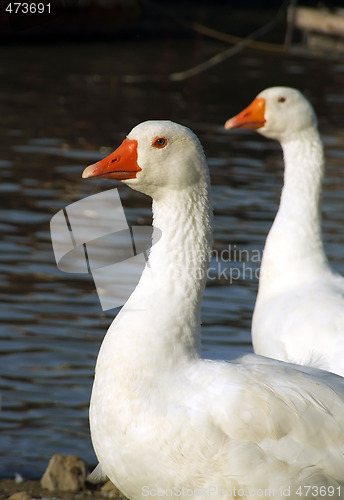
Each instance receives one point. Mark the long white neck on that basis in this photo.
(294, 247)
(159, 325)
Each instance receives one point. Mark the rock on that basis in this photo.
(21, 495)
(18, 478)
(64, 473)
(111, 491)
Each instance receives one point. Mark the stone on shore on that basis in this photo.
(21, 495)
(64, 473)
(111, 491)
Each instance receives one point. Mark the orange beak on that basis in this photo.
(252, 117)
(119, 165)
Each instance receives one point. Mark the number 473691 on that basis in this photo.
(318, 491)
(28, 8)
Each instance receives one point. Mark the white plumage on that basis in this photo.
(299, 312)
(165, 422)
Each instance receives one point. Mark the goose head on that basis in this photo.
(276, 113)
(156, 156)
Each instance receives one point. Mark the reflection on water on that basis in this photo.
(65, 107)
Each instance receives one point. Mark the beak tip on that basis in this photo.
(229, 124)
(88, 172)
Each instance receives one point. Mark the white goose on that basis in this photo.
(299, 312)
(165, 422)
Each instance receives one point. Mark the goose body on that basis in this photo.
(165, 422)
(299, 311)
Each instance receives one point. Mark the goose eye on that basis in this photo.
(160, 142)
(282, 99)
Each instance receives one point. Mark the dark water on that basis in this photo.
(63, 107)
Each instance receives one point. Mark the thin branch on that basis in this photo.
(218, 58)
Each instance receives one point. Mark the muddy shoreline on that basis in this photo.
(32, 490)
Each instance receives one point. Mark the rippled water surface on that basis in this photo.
(63, 107)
